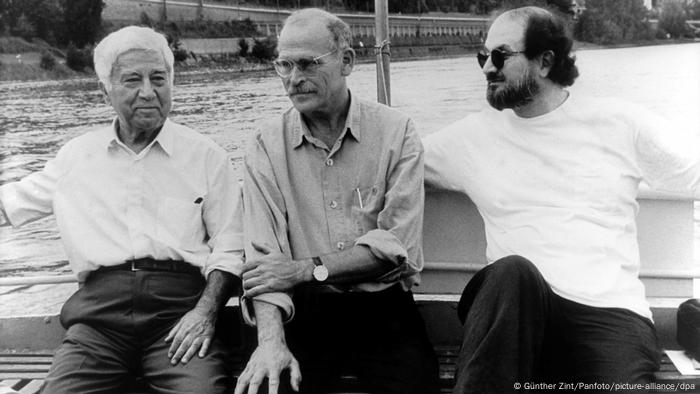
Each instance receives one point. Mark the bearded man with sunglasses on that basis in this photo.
(333, 197)
(555, 179)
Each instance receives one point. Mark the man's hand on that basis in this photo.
(273, 272)
(269, 360)
(194, 332)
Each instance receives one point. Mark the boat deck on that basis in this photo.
(454, 246)
(24, 372)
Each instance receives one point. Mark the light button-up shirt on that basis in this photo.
(306, 199)
(177, 199)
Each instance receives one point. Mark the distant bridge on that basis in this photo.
(269, 21)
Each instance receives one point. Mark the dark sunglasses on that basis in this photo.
(498, 57)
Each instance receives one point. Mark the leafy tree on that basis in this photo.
(23, 28)
(79, 59)
(145, 20)
(33, 18)
(47, 62)
(243, 45)
(5, 17)
(264, 49)
(672, 18)
(83, 19)
(692, 9)
(563, 6)
(46, 17)
(609, 22)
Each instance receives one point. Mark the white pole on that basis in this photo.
(382, 51)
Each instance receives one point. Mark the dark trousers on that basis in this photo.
(116, 325)
(517, 331)
(378, 337)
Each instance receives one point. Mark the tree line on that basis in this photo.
(78, 22)
(58, 22)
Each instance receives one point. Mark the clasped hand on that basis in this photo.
(272, 272)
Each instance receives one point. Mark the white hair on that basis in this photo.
(127, 39)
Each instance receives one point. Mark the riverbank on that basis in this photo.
(22, 62)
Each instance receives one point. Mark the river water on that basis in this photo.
(38, 117)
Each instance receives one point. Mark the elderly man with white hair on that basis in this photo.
(150, 216)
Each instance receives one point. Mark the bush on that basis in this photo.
(661, 34)
(672, 18)
(209, 29)
(180, 54)
(264, 49)
(172, 35)
(79, 59)
(243, 45)
(145, 20)
(47, 62)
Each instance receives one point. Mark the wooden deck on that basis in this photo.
(24, 372)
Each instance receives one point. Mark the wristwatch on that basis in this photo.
(320, 270)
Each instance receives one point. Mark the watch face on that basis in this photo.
(320, 273)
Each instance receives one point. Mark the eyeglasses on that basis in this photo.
(498, 57)
(284, 67)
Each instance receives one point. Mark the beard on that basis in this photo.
(513, 94)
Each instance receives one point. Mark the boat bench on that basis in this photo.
(24, 370)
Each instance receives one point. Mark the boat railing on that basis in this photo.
(454, 245)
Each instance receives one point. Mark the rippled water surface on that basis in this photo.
(36, 118)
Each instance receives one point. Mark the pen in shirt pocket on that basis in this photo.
(359, 197)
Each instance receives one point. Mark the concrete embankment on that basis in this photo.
(211, 50)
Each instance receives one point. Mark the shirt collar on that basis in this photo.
(352, 124)
(165, 138)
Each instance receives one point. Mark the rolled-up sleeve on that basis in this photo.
(265, 223)
(32, 198)
(223, 217)
(398, 236)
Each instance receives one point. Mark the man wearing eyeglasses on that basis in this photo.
(555, 178)
(333, 197)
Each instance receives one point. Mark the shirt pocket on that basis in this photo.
(180, 223)
(366, 205)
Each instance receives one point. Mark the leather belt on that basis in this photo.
(149, 264)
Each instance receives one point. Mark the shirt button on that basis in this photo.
(341, 245)
(334, 204)
(329, 162)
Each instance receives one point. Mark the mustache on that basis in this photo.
(495, 77)
(300, 90)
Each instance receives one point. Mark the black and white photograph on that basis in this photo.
(349, 196)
